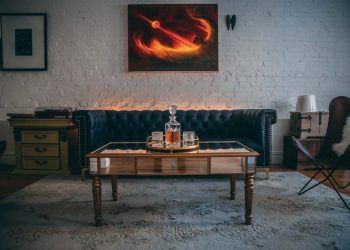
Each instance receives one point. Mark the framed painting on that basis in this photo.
(24, 41)
(173, 37)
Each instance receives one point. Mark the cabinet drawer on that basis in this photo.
(40, 150)
(40, 136)
(41, 163)
(172, 166)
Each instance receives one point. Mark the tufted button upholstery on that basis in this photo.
(135, 125)
(252, 127)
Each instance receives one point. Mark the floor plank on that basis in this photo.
(11, 183)
(341, 176)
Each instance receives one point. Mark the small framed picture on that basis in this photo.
(24, 41)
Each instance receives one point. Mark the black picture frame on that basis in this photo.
(23, 41)
(173, 37)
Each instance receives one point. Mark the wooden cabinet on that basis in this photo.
(295, 159)
(308, 124)
(45, 146)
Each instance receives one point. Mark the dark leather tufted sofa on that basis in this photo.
(251, 127)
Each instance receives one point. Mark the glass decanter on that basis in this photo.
(172, 130)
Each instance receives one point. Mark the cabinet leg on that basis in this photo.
(249, 185)
(114, 181)
(233, 186)
(96, 192)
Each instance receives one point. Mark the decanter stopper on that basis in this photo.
(172, 110)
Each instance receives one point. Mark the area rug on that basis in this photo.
(174, 213)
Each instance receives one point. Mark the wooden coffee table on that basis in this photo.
(212, 158)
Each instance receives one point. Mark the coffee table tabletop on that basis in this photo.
(135, 159)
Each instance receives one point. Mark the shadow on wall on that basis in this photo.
(279, 130)
(7, 135)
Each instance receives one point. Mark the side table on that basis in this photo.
(45, 146)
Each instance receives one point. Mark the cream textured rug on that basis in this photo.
(174, 213)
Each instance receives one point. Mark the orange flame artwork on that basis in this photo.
(173, 37)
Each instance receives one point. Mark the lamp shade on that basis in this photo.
(306, 103)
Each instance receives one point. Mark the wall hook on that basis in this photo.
(233, 21)
(230, 21)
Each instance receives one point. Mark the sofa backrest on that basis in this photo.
(207, 124)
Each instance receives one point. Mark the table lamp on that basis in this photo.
(306, 103)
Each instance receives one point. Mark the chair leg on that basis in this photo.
(325, 170)
(327, 174)
(340, 196)
(330, 177)
(342, 187)
(302, 191)
(342, 199)
(332, 181)
(322, 168)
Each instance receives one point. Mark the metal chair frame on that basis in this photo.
(326, 161)
(322, 168)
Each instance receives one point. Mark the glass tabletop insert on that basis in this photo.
(141, 148)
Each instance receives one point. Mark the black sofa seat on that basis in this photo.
(252, 127)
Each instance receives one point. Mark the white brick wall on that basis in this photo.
(278, 50)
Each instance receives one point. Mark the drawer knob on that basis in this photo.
(172, 165)
(40, 150)
(41, 162)
(40, 137)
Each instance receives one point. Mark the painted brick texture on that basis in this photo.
(278, 50)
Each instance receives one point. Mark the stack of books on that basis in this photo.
(45, 112)
(53, 112)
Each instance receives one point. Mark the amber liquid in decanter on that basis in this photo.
(173, 137)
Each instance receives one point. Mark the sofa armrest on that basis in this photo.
(256, 124)
(93, 129)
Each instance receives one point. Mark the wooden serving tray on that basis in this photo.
(162, 148)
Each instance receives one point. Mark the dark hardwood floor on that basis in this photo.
(10, 183)
(341, 176)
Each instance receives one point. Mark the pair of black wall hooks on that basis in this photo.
(230, 22)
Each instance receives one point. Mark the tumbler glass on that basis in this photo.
(188, 138)
(157, 139)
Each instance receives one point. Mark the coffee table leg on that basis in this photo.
(96, 192)
(249, 185)
(233, 186)
(114, 187)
